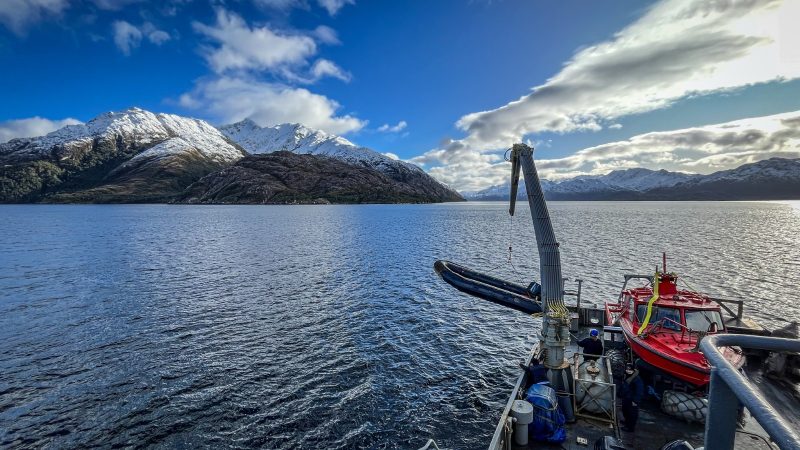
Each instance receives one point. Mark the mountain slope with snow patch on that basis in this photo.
(300, 139)
(131, 155)
(775, 178)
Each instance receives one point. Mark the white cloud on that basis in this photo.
(326, 35)
(31, 127)
(231, 99)
(154, 35)
(391, 156)
(386, 128)
(325, 68)
(677, 49)
(462, 168)
(113, 5)
(128, 36)
(333, 6)
(158, 37)
(615, 126)
(279, 4)
(237, 46)
(17, 15)
(244, 58)
(698, 149)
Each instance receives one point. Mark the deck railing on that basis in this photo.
(729, 389)
(723, 303)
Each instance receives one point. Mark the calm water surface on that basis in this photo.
(319, 326)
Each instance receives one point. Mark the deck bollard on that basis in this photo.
(522, 412)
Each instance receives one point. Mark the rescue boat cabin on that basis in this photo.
(684, 312)
(663, 325)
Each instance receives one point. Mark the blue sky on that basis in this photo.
(431, 81)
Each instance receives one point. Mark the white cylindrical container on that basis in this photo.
(522, 412)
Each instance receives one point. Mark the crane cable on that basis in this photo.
(510, 242)
(509, 260)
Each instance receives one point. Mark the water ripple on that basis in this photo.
(323, 326)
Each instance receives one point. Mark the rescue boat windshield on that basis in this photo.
(703, 320)
(670, 318)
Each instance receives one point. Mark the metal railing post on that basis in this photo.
(729, 387)
(721, 419)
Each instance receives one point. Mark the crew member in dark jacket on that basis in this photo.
(592, 346)
(536, 371)
(631, 392)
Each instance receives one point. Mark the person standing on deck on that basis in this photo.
(631, 392)
(592, 346)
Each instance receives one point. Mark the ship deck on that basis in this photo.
(654, 428)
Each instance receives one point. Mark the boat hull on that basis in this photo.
(677, 368)
(487, 287)
(689, 367)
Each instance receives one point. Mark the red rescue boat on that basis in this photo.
(663, 326)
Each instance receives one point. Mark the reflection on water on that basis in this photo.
(286, 327)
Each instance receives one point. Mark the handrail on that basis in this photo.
(498, 437)
(632, 276)
(739, 306)
(729, 388)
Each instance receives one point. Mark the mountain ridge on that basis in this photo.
(284, 177)
(131, 155)
(299, 139)
(135, 155)
(770, 179)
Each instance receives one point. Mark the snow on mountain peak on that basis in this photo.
(640, 181)
(298, 138)
(139, 128)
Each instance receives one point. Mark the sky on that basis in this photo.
(448, 85)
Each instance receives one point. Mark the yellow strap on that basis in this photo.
(650, 305)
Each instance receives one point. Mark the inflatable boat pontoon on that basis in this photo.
(487, 287)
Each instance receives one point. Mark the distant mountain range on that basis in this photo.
(139, 156)
(770, 179)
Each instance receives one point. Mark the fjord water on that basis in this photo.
(320, 326)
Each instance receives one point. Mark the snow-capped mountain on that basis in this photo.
(636, 180)
(297, 138)
(139, 156)
(641, 179)
(160, 134)
(766, 170)
(131, 155)
(775, 178)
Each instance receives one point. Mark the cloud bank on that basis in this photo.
(698, 150)
(17, 15)
(677, 49)
(332, 6)
(257, 70)
(31, 127)
(231, 99)
(237, 46)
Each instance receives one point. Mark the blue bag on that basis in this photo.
(548, 420)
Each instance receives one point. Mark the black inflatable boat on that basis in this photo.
(511, 295)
